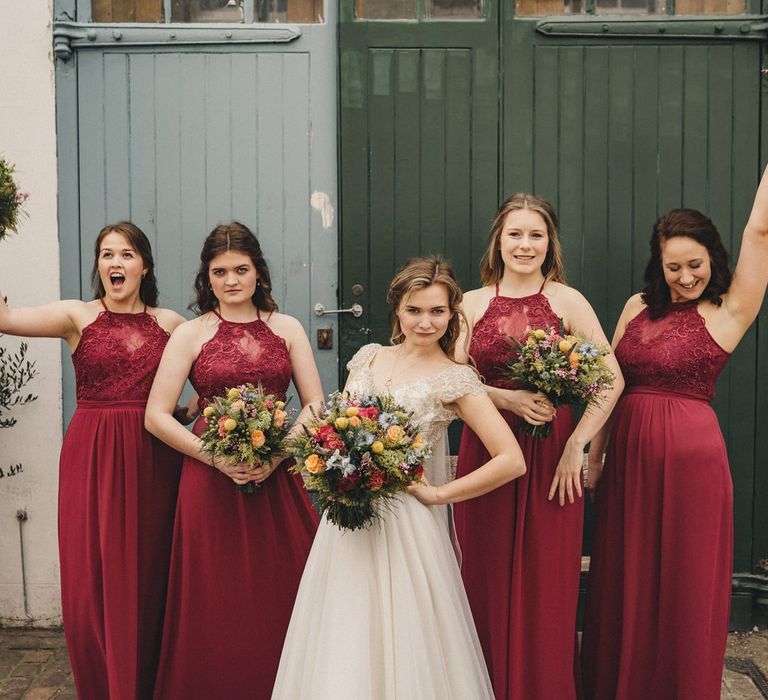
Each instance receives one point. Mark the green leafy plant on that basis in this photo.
(11, 200)
(16, 371)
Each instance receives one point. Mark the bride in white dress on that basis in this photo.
(381, 613)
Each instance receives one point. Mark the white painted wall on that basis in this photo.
(29, 275)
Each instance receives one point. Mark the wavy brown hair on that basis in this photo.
(420, 273)
(237, 237)
(492, 266)
(685, 223)
(138, 240)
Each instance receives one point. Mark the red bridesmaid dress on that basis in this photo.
(237, 557)
(521, 552)
(117, 495)
(659, 586)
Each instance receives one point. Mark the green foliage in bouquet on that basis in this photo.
(246, 425)
(569, 369)
(356, 454)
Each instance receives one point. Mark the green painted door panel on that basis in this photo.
(617, 131)
(419, 154)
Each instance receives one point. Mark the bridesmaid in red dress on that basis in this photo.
(660, 579)
(117, 484)
(237, 558)
(521, 543)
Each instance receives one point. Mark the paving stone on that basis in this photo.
(39, 693)
(40, 656)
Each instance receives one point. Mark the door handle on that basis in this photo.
(356, 310)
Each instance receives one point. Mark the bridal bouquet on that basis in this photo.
(569, 369)
(357, 453)
(246, 425)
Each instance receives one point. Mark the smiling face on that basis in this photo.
(524, 242)
(120, 267)
(232, 276)
(424, 315)
(687, 268)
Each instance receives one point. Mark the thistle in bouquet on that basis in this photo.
(569, 369)
(246, 425)
(356, 454)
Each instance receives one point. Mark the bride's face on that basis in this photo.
(424, 314)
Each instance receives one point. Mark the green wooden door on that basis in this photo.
(616, 122)
(419, 123)
(614, 110)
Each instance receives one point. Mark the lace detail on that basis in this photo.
(506, 317)
(117, 357)
(675, 353)
(240, 353)
(363, 357)
(425, 396)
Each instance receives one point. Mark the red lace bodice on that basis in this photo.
(117, 357)
(507, 317)
(240, 353)
(675, 353)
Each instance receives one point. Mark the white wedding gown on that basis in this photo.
(381, 613)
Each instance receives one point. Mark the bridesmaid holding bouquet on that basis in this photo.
(660, 580)
(117, 484)
(237, 557)
(521, 543)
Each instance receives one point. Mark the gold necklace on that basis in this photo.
(398, 353)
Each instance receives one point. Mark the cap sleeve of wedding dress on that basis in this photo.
(362, 357)
(461, 380)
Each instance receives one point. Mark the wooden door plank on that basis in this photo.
(296, 186)
(176, 291)
(407, 117)
(645, 137)
(597, 244)
(670, 176)
(571, 159)
(433, 151)
(458, 163)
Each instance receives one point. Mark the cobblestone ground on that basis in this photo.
(34, 666)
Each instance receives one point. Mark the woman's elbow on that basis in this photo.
(150, 422)
(516, 466)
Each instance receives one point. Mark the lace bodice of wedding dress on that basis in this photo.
(426, 397)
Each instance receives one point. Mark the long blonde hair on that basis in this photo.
(420, 273)
(492, 266)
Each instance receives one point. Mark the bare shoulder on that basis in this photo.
(475, 302)
(196, 330)
(82, 313)
(633, 307)
(167, 319)
(287, 327)
(564, 295)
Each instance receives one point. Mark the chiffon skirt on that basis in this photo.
(235, 568)
(659, 586)
(521, 568)
(117, 495)
(382, 613)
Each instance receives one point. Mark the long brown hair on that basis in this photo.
(138, 240)
(492, 266)
(420, 273)
(686, 223)
(233, 236)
